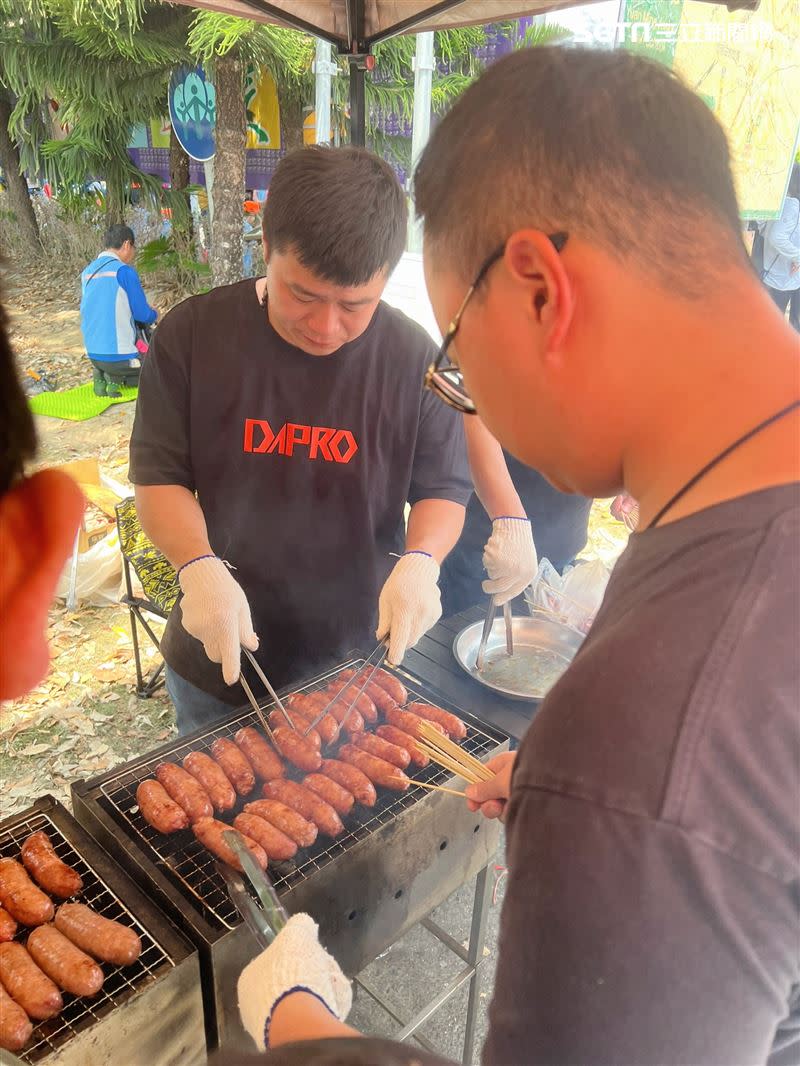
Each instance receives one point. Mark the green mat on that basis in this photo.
(79, 403)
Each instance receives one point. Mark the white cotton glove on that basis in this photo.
(409, 604)
(509, 559)
(294, 962)
(214, 609)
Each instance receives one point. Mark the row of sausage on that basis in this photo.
(61, 953)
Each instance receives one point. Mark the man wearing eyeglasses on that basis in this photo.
(280, 430)
(653, 847)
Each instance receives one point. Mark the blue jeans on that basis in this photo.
(194, 709)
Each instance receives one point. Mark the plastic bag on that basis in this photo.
(99, 574)
(572, 598)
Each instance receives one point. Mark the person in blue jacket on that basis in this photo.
(113, 303)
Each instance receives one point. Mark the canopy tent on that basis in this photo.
(354, 26)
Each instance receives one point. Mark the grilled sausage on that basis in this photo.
(209, 832)
(392, 685)
(306, 802)
(275, 843)
(382, 749)
(377, 770)
(409, 722)
(235, 764)
(277, 721)
(339, 798)
(304, 708)
(379, 696)
(298, 750)
(452, 725)
(8, 927)
(352, 779)
(27, 985)
(15, 1025)
(63, 963)
(100, 937)
(213, 779)
(48, 871)
(364, 705)
(289, 821)
(158, 810)
(404, 740)
(261, 755)
(186, 792)
(25, 902)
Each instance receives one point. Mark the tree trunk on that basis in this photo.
(179, 182)
(18, 198)
(229, 172)
(291, 125)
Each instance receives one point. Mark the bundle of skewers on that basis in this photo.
(446, 753)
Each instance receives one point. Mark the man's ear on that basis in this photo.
(38, 522)
(533, 260)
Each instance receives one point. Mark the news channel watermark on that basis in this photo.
(751, 32)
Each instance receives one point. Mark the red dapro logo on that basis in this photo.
(332, 445)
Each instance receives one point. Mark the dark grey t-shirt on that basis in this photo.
(302, 466)
(651, 913)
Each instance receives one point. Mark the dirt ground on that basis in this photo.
(85, 718)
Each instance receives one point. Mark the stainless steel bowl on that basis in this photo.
(543, 650)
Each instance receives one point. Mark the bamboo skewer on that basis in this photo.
(440, 788)
(448, 754)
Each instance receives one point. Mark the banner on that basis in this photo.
(263, 110)
(746, 66)
(159, 132)
(192, 109)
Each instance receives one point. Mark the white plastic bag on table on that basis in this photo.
(99, 574)
(572, 598)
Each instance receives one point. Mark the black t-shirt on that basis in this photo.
(559, 520)
(651, 912)
(302, 466)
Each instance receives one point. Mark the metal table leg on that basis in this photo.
(472, 956)
(477, 939)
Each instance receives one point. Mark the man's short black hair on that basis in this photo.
(606, 145)
(117, 235)
(341, 210)
(17, 432)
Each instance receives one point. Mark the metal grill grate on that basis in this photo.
(194, 867)
(120, 983)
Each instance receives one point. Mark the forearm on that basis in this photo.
(172, 518)
(301, 1016)
(434, 526)
(490, 476)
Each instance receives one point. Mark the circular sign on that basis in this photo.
(193, 111)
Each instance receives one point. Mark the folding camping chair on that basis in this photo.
(159, 583)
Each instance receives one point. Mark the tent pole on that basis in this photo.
(324, 69)
(420, 131)
(358, 114)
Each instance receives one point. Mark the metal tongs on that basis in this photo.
(254, 702)
(264, 916)
(373, 663)
(487, 629)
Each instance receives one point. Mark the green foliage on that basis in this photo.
(162, 254)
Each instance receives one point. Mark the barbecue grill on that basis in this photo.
(394, 863)
(150, 1011)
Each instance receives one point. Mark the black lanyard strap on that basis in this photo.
(718, 459)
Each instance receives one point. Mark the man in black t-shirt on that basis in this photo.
(281, 428)
(653, 824)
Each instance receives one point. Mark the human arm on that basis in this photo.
(141, 310)
(509, 557)
(434, 526)
(490, 476)
(172, 518)
(783, 235)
